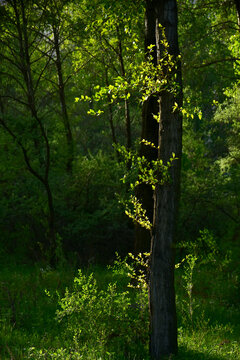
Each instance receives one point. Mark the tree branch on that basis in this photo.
(14, 78)
(216, 62)
(24, 151)
(15, 99)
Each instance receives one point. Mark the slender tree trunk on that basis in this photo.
(144, 192)
(61, 90)
(23, 39)
(167, 134)
(126, 101)
(1, 106)
(51, 222)
(110, 109)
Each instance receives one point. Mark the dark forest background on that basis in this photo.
(60, 174)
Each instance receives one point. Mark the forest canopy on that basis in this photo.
(68, 93)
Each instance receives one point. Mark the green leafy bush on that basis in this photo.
(96, 322)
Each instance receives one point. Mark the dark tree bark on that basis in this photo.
(162, 206)
(61, 90)
(237, 4)
(149, 132)
(163, 324)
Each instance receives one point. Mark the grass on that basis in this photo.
(26, 313)
(28, 316)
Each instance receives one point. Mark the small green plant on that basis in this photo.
(59, 253)
(187, 277)
(58, 354)
(139, 272)
(201, 252)
(107, 321)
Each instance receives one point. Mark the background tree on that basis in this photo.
(214, 70)
(57, 50)
(20, 54)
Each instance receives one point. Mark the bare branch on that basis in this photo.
(14, 78)
(23, 149)
(41, 74)
(232, 59)
(222, 210)
(15, 99)
(11, 62)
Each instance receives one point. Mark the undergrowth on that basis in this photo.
(93, 314)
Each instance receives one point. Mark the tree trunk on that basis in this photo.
(150, 133)
(163, 323)
(237, 4)
(61, 90)
(126, 102)
(51, 225)
(110, 109)
(21, 23)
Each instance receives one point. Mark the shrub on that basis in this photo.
(109, 322)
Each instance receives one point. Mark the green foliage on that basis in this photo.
(92, 222)
(54, 354)
(139, 273)
(188, 305)
(201, 252)
(96, 321)
(138, 170)
(204, 249)
(143, 80)
(227, 117)
(91, 35)
(37, 334)
(206, 45)
(26, 313)
(137, 213)
(210, 186)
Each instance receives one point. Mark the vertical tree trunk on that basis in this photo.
(126, 101)
(163, 324)
(61, 90)
(150, 133)
(110, 109)
(237, 4)
(26, 69)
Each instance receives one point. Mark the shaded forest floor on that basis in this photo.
(110, 322)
